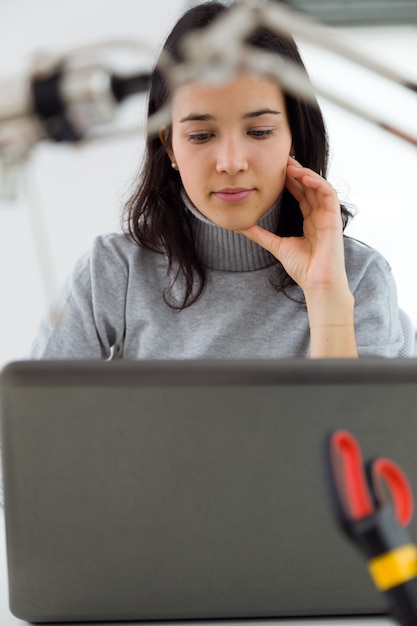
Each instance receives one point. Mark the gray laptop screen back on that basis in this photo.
(176, 490)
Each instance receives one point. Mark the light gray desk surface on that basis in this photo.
(7, 619)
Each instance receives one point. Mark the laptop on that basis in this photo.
(161, 490)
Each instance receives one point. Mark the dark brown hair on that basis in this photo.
(155, 214)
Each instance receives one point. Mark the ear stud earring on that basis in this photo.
(174, 166)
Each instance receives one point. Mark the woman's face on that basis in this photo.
(231, 143)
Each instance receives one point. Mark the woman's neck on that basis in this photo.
(225, 250)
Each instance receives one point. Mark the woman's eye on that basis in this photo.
(199, 137)
(261, 134)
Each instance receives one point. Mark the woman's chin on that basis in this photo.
(236, 224)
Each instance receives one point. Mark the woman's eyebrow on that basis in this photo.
(206, 117)
(261, 112)
(196, 117)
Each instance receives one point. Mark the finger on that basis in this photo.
(307, 178)
(294, 187)
(293, 161)
(309, 187)
(321, 192)
(305, 197)
(297, 171)
(264, 238)
(298, 184)
(298, 168)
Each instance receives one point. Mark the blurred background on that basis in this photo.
(67, 195)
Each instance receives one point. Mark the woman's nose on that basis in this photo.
(231, 158)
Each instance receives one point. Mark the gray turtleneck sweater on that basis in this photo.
(113, 304)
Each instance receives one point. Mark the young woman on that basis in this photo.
(233, 243)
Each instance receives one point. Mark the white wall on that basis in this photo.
(72, 194)
(371, 168)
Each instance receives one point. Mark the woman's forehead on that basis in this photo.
(241, 92)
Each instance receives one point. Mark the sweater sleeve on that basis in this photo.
(87, 321)
(377, 316)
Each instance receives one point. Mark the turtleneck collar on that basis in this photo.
(225, 250)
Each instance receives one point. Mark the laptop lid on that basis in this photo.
(176, 490)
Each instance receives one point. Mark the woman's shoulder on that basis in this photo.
(116, 249)
(114, 244)
(363, 261)
(359, 254)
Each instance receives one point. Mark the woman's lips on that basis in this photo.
(233, 194)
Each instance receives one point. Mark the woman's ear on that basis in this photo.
(163, 136)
